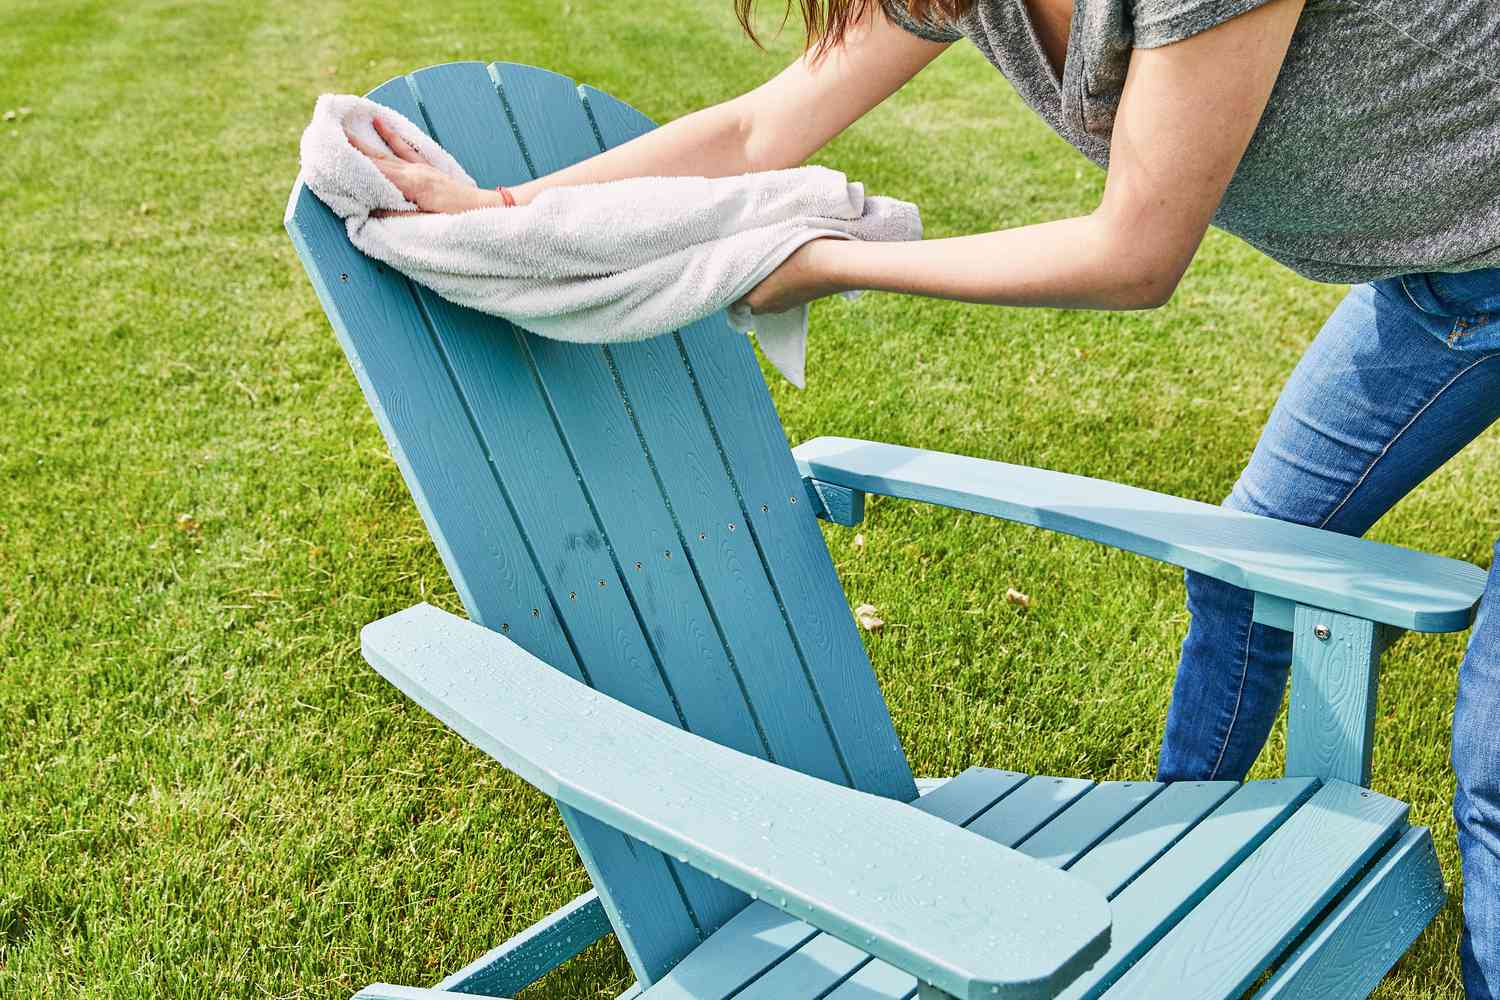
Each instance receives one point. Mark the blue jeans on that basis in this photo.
(1404, 374)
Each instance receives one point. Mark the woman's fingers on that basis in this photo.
(399, 174)
(375, 154)
(398, 143)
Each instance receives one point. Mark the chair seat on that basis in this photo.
(1210, 883)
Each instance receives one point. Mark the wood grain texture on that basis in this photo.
(1028, 808)
(919, 893)
(835, 503)
(1088, 821)
(429, 428)
(536, 951)
(1153, 903)
(1323, 569)
(1002, 806)
(811, 970)
(1134, 845)
(1378, 916)
(431, 432)
(1217, 951)
(595, 505)
(572, 465)
(533, 476)
(876, 981)
(961, 799)
(1357, 943)
(754, 940)
(731, 393)
(761, 937)
(1331, 712)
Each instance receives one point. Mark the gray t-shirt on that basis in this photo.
(1379, 151)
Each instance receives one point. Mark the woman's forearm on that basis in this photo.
(1089, 262)
(707, 143)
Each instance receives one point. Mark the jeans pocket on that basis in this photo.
(1482, 334)
(1462, 308)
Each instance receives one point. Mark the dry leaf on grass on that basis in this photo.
(1014, 596)
(859, 540)
(187, 524)
(865, 615)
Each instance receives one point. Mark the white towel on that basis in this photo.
(598, 263)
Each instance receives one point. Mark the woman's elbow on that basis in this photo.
(1143, 259)
(1134, 285)
(1150, 288)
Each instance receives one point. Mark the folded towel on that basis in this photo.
(598, 263)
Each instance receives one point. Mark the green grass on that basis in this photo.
(204, 791)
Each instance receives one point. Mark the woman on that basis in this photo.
(1355, 141)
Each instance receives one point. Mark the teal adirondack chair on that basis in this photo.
(658, 641)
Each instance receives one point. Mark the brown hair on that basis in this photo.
(827, 21)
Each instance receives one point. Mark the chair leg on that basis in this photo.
(1348, 954)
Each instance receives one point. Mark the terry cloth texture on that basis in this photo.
(598, 263)
(1378, 154)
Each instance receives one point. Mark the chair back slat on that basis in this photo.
(631, 514)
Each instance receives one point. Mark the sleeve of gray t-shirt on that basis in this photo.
(896, 11)
(1161, 22)
(1155, 22)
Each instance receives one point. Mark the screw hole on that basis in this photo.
(601, 583)
(792, 499)
(535, 612)
(702, 535)
(637, 565)
(669, 553)
(505, 626)
(572, 595)
(343, 276)
(731, 526)
(764, 508)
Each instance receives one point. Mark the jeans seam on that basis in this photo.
(1239, 696)
(1406, 290)
(1397, 436)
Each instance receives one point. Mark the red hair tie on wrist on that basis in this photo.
(506, 197)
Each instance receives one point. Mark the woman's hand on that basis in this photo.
(802, 277)
(419, 181)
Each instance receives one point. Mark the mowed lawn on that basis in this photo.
(203, 789)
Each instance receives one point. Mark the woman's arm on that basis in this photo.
(778, 124)
(1186, 115)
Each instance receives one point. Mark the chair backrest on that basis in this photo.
(630, 514)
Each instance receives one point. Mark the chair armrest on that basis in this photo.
(1299, 564)
(955, 910)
